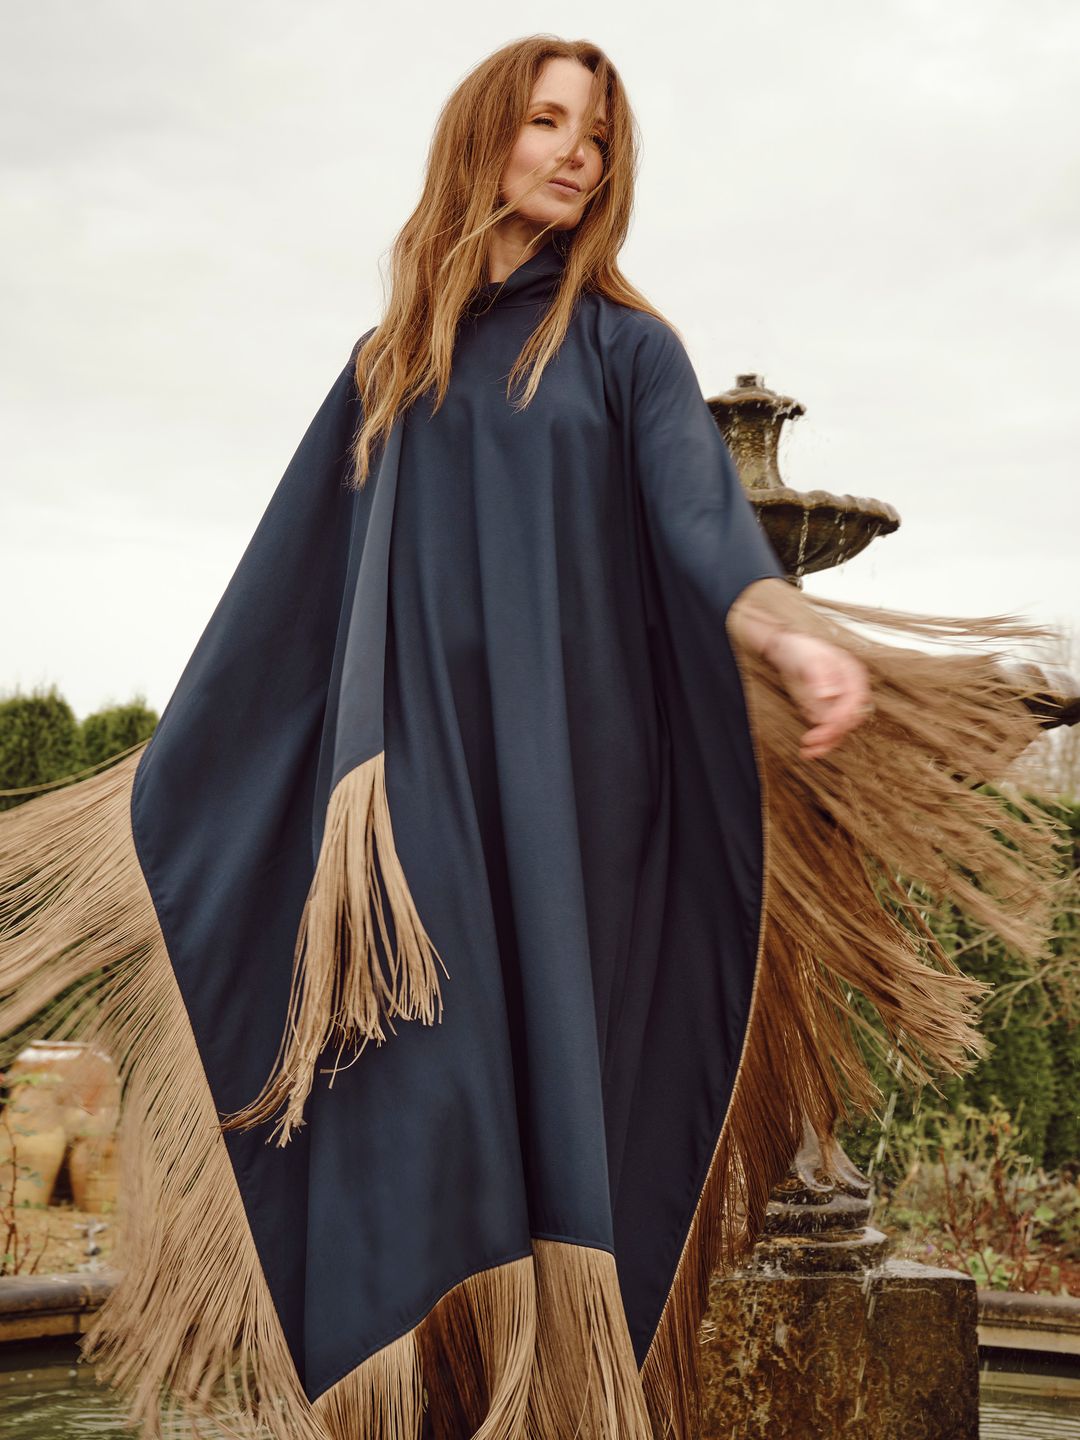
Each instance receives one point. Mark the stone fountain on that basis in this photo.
(809, 529)
(822, 1334)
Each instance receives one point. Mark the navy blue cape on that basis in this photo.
(525, 611)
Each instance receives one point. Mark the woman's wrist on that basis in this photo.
(753, 619)
(769, 615)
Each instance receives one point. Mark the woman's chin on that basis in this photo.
(562, 217)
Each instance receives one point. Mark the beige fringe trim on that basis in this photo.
(531, 1350)
(190, 1325)
(891, 804)
(537, 1348)
(534, 1348)
(340, 991)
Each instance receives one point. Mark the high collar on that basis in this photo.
(532, 282)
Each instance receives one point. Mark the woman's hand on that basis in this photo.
(830, 686)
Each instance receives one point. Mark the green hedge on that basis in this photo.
(42, 741)
(108, 732)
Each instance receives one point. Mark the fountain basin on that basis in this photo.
(813, 530)
(809, 529)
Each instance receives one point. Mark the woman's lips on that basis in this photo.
(565, 187)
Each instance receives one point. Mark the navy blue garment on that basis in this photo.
(525, 611)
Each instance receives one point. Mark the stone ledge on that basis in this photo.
(37, 1306)
(1009, 1320)
(33, 1306)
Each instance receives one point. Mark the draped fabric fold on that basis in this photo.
(467, 763)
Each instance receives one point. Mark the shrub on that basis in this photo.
(118, 727)
(39, 741)
(1032, 1021)
(967, 1196)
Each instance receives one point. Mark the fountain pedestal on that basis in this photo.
(821, 1337)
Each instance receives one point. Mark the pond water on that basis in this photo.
(46, 1393)
(1028, 1417)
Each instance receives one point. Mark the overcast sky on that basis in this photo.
(877, 207)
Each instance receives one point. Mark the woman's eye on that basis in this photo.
(598, 140)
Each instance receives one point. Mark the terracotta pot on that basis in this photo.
(60, 1091)
(93, 1171)
(84, 1077)
(39, 1152)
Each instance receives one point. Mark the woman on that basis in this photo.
(467, 742)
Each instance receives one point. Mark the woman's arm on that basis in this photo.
(704, 530)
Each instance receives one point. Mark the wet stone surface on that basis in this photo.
(890, 1352)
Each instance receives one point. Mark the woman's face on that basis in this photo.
(545, 146)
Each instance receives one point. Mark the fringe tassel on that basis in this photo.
(190, 1332)
(190, 1325)
(893, 801)
(340, 991)
(478, 1346)
(539, 1347)
(531, 1350)
(382, 1398)
(527, 1350)
(69, 894)
(586, 1381)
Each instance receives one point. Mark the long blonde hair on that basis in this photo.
(439, 257)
